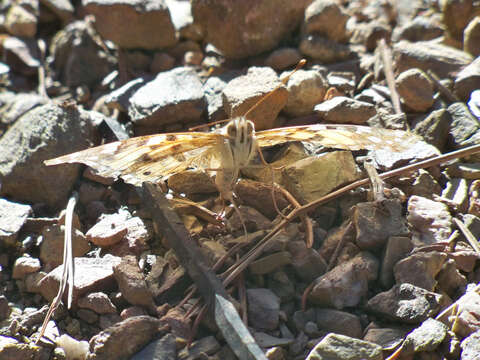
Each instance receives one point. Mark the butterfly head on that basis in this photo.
(240, 135)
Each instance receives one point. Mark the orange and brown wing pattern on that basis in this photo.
(147, 158)
(348, 137)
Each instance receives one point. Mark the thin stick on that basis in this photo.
(389, 76)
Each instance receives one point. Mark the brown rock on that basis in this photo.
(323, 49)
(421, 28)
(25, 265)
(434, 128)
(239, 30)
(343, 110)
(346, 284)
(207, 345)
(91, 274)
(123, 339)
(415, 90)
(131, 283)
(468, 80)
(397, 248)
(471, 37)
(21, 21)
(161, 62)
(451, 280)
(426, 55)
(98, 302)
(420, 269)
(263, 308)
(268, 264)
(283, 58)
(109, 230)
(339, 322)
(192, 182)
(456, 15)
(326, 17)
(243, 92)
(150, 26)
(51, 248)
(307, 262)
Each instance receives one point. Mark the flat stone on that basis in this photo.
(266, 341)
(306, 88)
(283, 58)
(98, 302)
(328, 18)
(427, 337)
(263, 308)
(313, 177)
(387, 338)
(464, 125)
(346, 284)
(343, 110)
(21, 55)
(420, 269)
(109, 230)
(12, 218)
(43, 133)
(467, 80)
(91, 274)
(124, 338)
(25, 265)
(430, 220)
(451, 280)
(406, 303)
(339, 322)
(174, 96)
(150, 26)
(339, 347)
(434, 128)
(426, 55)
(415, 89)
(270, 263)
(243, 92)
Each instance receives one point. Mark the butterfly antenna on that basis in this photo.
(208, 124)
(240, 216)
(284, 81)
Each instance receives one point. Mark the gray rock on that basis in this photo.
(427, 337)
(21, 55)
(25, 265)
(149, 23)
(323, 49)
(406, 303)
(340, 347)
(471, 346)
(434, 128)
(339, 322)
(387, 338)
(468, 80)
(17, 105)
(12, 218)
(182, 19)
(343, 110)
(43, 133)
(98, 302)
(173, 96)
(420, 269)
(207, 345)
(164, 348)
(263, 308)
(397, 248)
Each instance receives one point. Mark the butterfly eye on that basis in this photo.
(250, 127)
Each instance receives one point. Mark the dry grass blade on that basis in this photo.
(468, 235)
(389, 76)
(68, 266)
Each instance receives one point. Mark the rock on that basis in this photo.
(192, 182)
(467, 80)
(180, 326)
(311, 178)
(21, 20)
(456, 15)
(164, 348)
(397, 248)
(21, 55)
(98, 302)
(132, 311)
(346, 284)
(424, 55)
(421, 28)
(270, 263)
(327, 18)
(306, 88)
(109, 230)
(299, 345)
(89, 316)
(307, 262)
(471, 37)
(263, 308)
(10, 348)
(450, 280)
(213, 90)
(339, 322)
(375, 222)
(425, 186)
(243, 92)
(161, 62)
(427, 337)
(415, 89)
(62, 8)
(430, 220)
(207, 345)
(282, 285)
(239, 30)
(406, 303)
(323, 49)
(150, 26)
(43, 133)
(25, 265)
(343, 110)
(456, 191)
(463, 126)
(91, 274)
(283, 58)
(338, 347)
(131, 283)
(12, 218)
(420, 269)
(120, 98)
(51, 248)
(434, 128)
(17, 105)
(266, 341)
(173, 96)
(470, 346)
(182, 19)
(78, 58)
(387, 338)
(5, 309)
(123, 339)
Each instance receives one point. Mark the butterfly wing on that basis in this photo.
(146, 158)
(348, 137)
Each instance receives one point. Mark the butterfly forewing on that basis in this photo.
(147, 158)
(348, 137)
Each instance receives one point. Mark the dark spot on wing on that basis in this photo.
(146, 173)
(146, 158)
(176, 147)
(171, 137)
